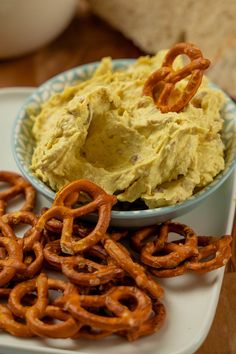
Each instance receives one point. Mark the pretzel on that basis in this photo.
(53, 254)
(62, 209)
(27, 287)
(13, 262)
(141, 236)
(168, 259)
(8, 323)
(120, 316)
(151, 325)
(216, 247)
(82, 229)
(165, 78)
(35, 314)
(95, 273)
(7, 221)
(5, 292)
(18, 186)
(135, 270)
(31, 236)
(33, 264)
(176, 253)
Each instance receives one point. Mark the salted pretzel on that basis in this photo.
(170, 254)
(151, 325)
(66, 328)
(82, 228)
(90, 272)
(120, 316)
(214, 252)
(192, 253)
(9, 323)
(13, 261)
(31, 237)
(28, 287)
(32, 263)
(18, 186)
(35, 313)
(9, 220)
(165, 78)
(62, 209)
(135, 270)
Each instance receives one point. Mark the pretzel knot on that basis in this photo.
(160, 85)
(65, 209)
(118, 314)
(174, 253)
(13, 261)
(17, 186)
(192, 253)
(80, 269)
(35, 314)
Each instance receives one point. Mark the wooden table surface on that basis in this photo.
(88, 39)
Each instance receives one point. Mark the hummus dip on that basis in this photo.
(104, 130)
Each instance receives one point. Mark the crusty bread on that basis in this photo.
(157, 24)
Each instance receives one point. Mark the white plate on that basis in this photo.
(190, 300)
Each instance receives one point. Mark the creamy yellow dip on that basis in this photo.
(104, 130)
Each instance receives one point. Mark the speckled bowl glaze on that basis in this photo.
(23, 145)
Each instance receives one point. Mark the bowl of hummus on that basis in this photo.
(93, 122)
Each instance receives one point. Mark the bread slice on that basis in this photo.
(158, 24)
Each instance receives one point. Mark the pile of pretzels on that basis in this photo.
(67, 278)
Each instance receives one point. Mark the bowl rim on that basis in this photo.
(40, 186)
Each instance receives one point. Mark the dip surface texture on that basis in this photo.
(104, 130)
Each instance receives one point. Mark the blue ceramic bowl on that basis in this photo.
(23, 146)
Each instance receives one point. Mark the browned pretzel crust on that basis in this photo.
(165, 78)
(191, 253)
(18, 186)
(62, 209)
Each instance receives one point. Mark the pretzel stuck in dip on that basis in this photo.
(164, 79)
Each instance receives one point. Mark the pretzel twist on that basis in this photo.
(192, 253)
(151, 325)
(214, 252)
(89, 273)
(175, 253)
(9, 324)
(18, 186)
(62, 209)
(135, 270)
(166, 78)
(13, 261)
(120, 316)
